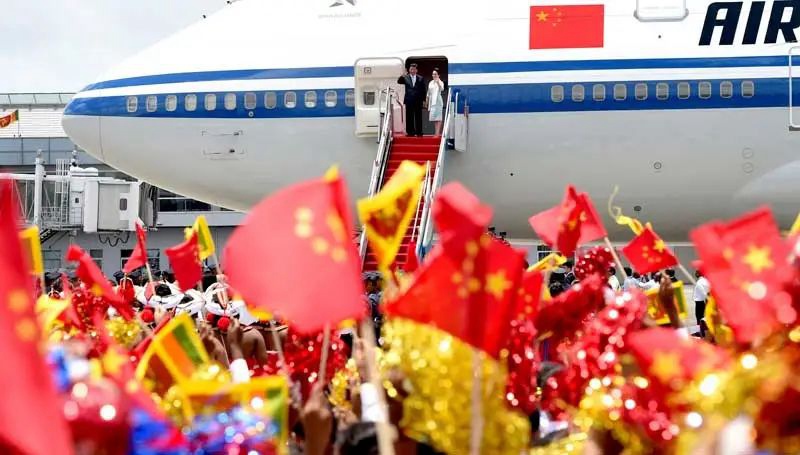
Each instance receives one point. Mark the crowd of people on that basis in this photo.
(472, 350)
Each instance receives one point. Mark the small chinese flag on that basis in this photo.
(672, 359)
(648, 253)
(747, 263)
(293, 256)
(567, 26)
(476, 308)
(96, 282)
(139, 256)
(204, 239)
(185, 262)
(461, 219)
(32, 249)
(386, 216)
(570, 224)
(29, 403)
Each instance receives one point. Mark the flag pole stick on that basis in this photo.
(218, 271)
(276, 340)
(616, 258)
(323, 363)
(476, 423)
(385, 437)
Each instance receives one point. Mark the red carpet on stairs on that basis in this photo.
(417, 149)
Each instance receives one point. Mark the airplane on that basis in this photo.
(689, 107)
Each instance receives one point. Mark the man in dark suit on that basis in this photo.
(416, 90)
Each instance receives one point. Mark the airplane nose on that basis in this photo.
(83, 128)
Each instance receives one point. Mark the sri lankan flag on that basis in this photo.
(8, 119)
(655, 310)
(387, 215)
(205, 241)
(173, 356)
(32, 248)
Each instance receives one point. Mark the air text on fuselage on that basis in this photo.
(784, 19)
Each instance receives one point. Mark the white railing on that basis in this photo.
(379, 165)
(426, 221)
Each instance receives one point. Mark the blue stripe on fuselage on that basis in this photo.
(453, 68)
(483, 99)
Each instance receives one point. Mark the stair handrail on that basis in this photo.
(417, 223)
(379, 165)
(438, 176)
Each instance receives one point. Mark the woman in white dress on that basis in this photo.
(435, 103)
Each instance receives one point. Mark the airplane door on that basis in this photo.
(461, 124)
(794, 89)
(372, 77)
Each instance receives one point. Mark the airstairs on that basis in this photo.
(394, 148)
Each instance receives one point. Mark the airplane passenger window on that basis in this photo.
(349, 98)
(557, 93)
(726, 89)
(290, 100)
(311, 99)
(132, 104)
(640, 91)
(331, 98)
(599, 92)
(190, 103)
(684, 90)
(230, 101)
(620, 92)
(171, 103)
(151, 103)
(748, 89)
(578, 93)
(211, 102)
(249, 100)
(704, 90)
(270, 100)
(662, 91)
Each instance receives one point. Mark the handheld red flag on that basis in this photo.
(30, 403)
(304, 228)
(648, 253)
(477, 308)
(139, 255)
(185, 262)
(570, 224)
(97, 283)
(746, 262)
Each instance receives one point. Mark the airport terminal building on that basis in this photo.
(38, 132)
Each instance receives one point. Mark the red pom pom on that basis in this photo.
(210, 318)
(597, 260)
(148, 316)
(223, 323)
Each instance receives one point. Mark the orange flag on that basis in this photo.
(30, 404)
(747, 263)
(648, 253)
(570, 224)
(293, 255)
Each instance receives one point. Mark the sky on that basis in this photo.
(63, 45)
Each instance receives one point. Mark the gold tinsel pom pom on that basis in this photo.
(437, 410)
(124, 332)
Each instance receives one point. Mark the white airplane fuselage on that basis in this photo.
(688, 130)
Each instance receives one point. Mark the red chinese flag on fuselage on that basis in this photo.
(567, 26)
